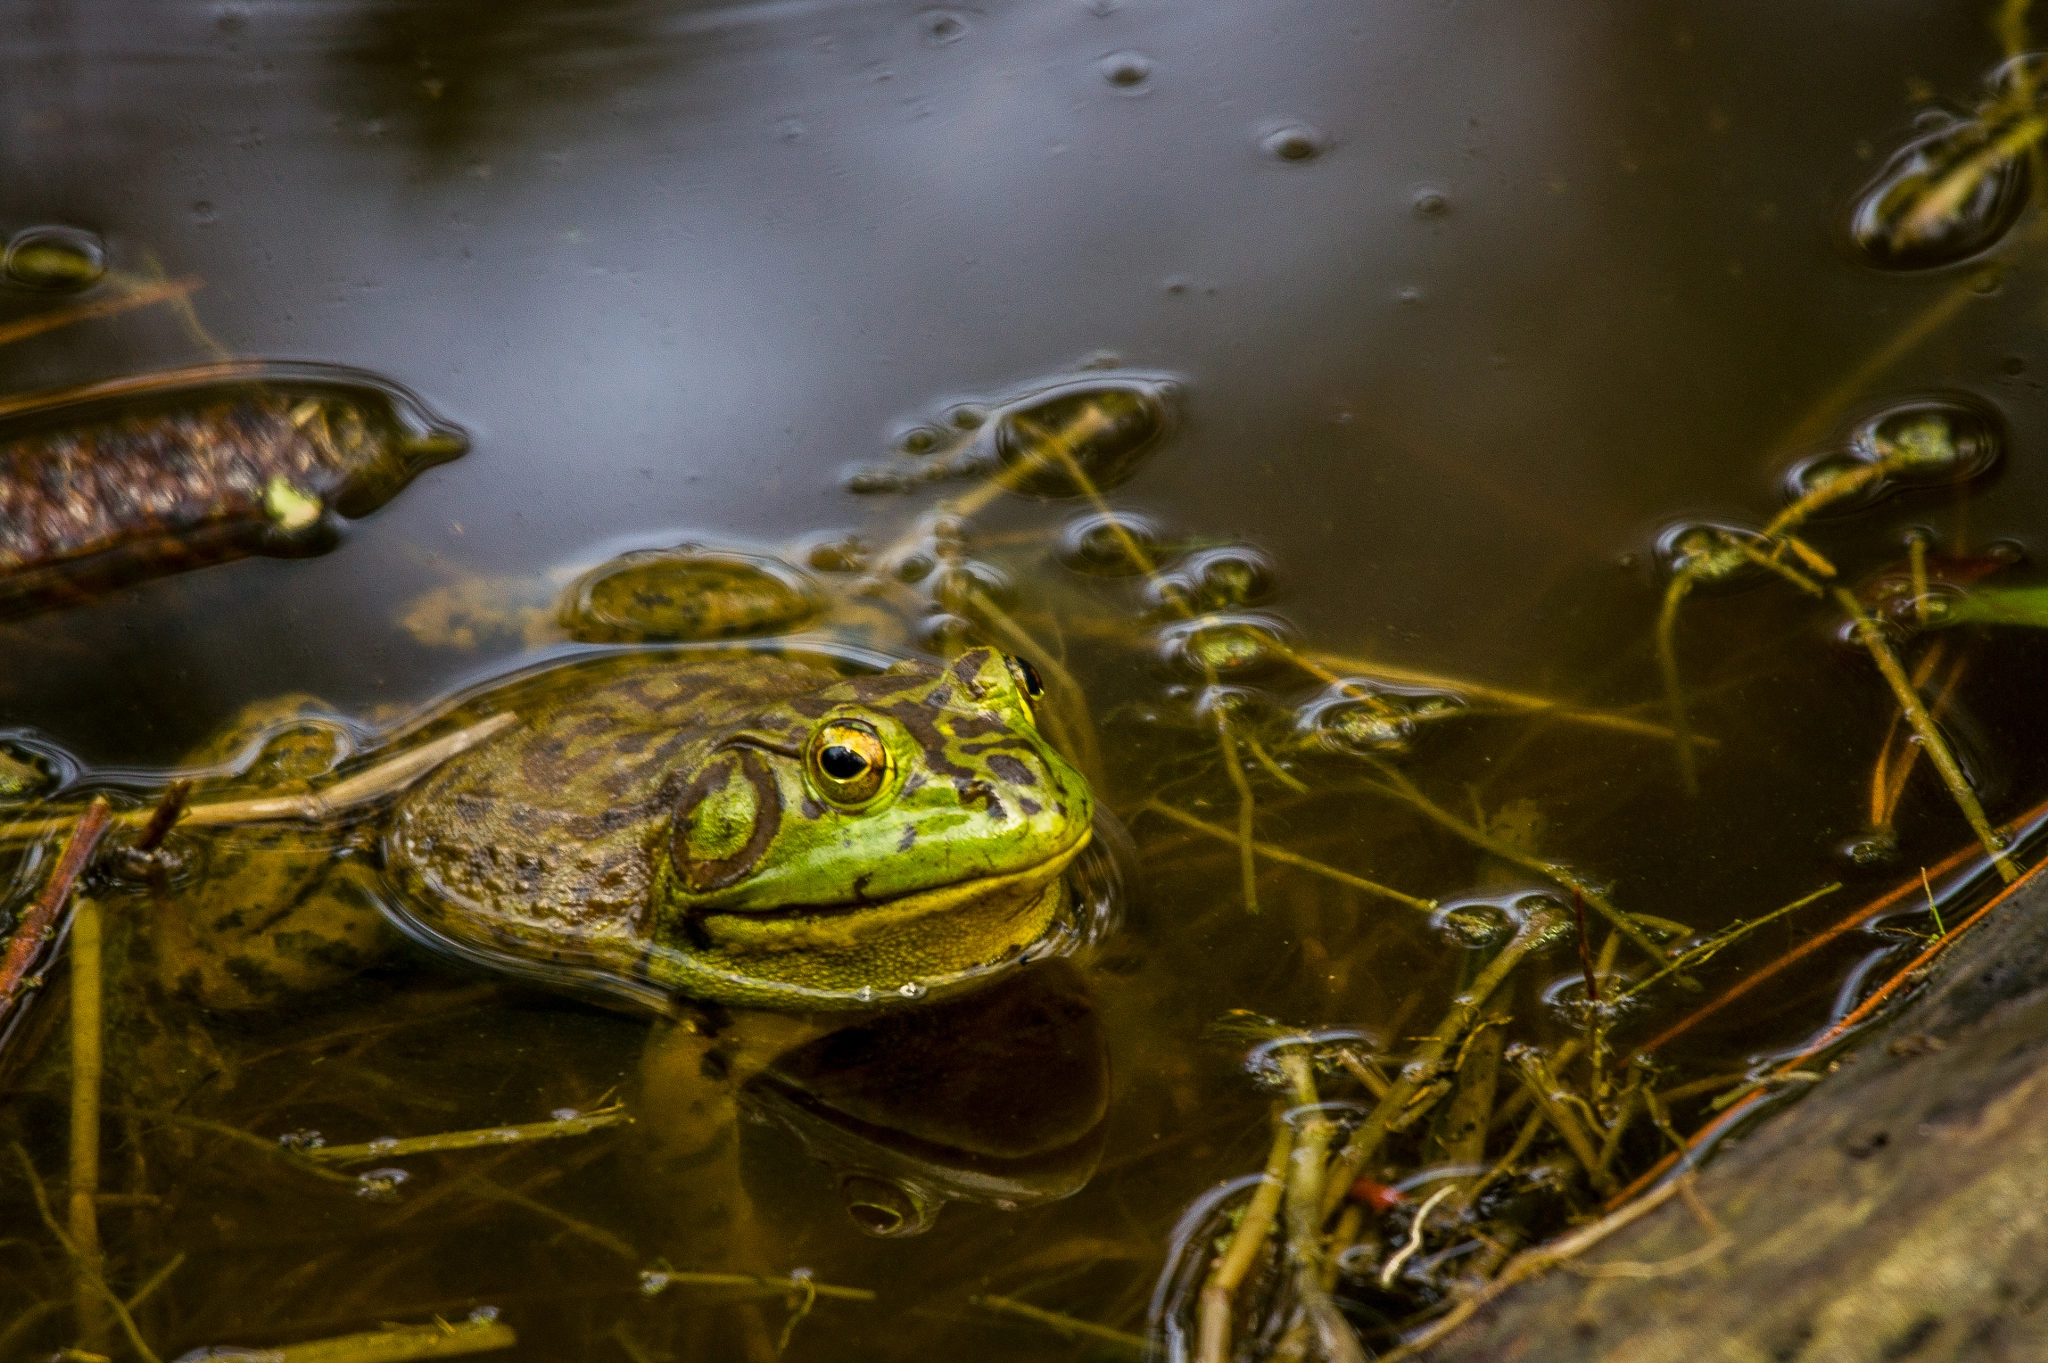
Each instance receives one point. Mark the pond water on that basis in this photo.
(1451, 314)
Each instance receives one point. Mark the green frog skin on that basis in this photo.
(754, 831)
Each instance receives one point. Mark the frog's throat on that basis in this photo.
(811, 927)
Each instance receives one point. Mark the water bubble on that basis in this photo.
(1102, 544)
(845, 555)
(866, 481)
(1359, 717)
(687, 593)
(302, 1140)
(1223, 578)
(967, 416)
(382, 1144)
(887, 1208)
(484, 1315)
(565, 1114)
(380, 1185)
(1128, 73)
(1430, 202)
(1875, 847)
(912, 990)
(957, 585)
(1224, 645)
(55, 259)
(1813, 475)
(653, 1282)
(865, 994)
(943, 632)
(1947, 194)
(940, 27)
(1293, 142)
(1932, 443)
(1708, 552)
(1078, 437)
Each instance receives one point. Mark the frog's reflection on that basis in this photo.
(1000, 1097)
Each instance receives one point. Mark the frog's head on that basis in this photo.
(883, 831)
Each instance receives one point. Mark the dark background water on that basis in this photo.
(1558, 275)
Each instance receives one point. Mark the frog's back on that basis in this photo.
(547, 833)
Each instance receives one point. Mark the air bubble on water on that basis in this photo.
(912, 990)
(845, 554)
(1292, 141)
(1224, 645)
(484, 1315)
(866, 994)
(54, 259)
(1128, 73)
(1943, 197)
(506, 1135)
(380, 1185)
(382, 1144)
(1101, 544)
(940, 27)
(653, 1282)
(1358, 716)
(1079, 437)
(1707, 551)
(1813, 474)
(302, 1140)
(885, 1207)
(967, 416)
(1934, 442)
(565, 1114)
(1875, 847)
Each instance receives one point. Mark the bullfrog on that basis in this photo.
(745, 830)
(753, 830)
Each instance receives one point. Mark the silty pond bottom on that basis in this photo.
(1493, 498)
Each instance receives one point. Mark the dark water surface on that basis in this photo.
(1465, 302)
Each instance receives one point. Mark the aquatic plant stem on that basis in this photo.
(1212, 1343)
(1306, 1174)
(1073, 1330)
(1707, 949)
(579, 1125)
(1246, 809)
(1331, 667)
(84, 312)
(1674, 688)
(1401, 788)
(399, 1344)
(1872, 638)
(1365, 1142)
(86, 1073)
(42, 1201)
(1273, 852)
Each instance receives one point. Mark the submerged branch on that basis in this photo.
(578, 1125)
(1062, 1324)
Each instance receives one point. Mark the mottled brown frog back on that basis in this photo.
(538, 847)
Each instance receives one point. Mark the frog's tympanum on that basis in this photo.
(754, 830)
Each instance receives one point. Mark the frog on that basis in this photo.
(745, 829)
(753, 830)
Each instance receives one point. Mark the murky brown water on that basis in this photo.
(1463, 305)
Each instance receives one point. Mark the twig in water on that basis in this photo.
(106, 307)
(1705, 950)
(167, 811)
(37, 924)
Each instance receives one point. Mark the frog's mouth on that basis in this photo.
(985, 900)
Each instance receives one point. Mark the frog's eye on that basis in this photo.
(1028, 680)
(848, 762)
